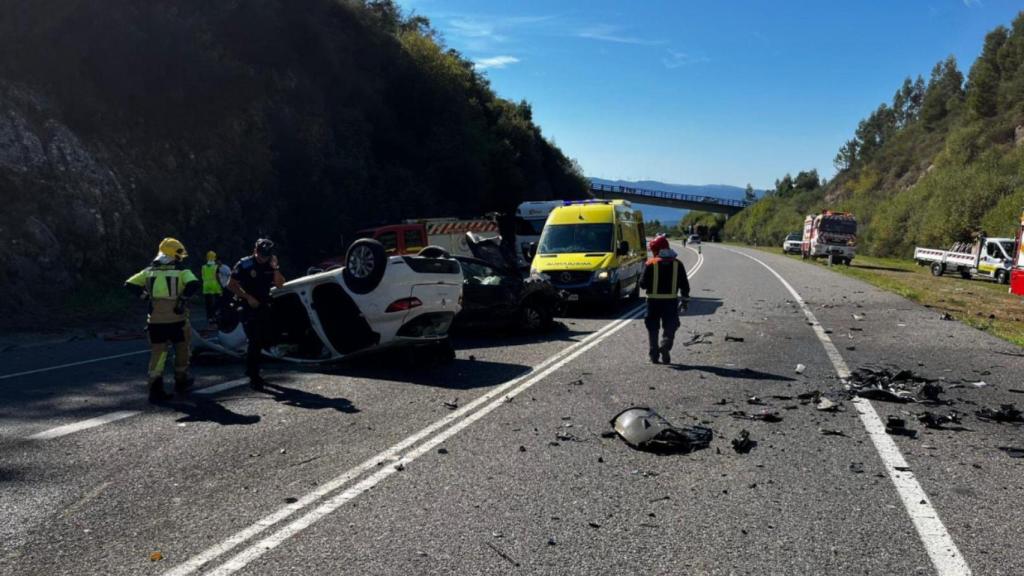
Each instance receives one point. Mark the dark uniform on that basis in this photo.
(664, 279)
(256, 279)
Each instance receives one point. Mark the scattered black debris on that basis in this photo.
(609, 434)
(1013, 452)
(857, 467)
(452, 405)
(743, 444)
(1016, 390)
(886, 384)
(898, 427)
(593, 524)
(522, 448)
(504, 556)
(901, 468)
(442, 450)
(577, 382)
(644, 429)
(756, 401)
(930, 391)
(764, 416)
(565, 437)
(722, 402)
(552, 542)
(935, 421)
(855, 329)
(698, 338)
(781, 397)
(663, 498)
(291, 500)
(813, 394)
(946, 316)
(733, 338)
(831, 432)
(1005, 413)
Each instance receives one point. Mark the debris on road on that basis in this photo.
(763, 416)
(699, 338)
(743, 444)
(643, 429)
(857, 467)
(890, 385)
(831, 432)
(1005, 413)
(733, 338)
(930, 391)
(946, 316)
(756, 401)
(442, 450)
(898, 427)
(156, 556)
(800, 368)
(504, 556)
(979, 384)
(454, 404)
(1013, 452)
(935, 421)
(858, 317)
(826, 405)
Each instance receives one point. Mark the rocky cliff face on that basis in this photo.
(66, 215)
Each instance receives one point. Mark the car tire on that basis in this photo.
(965, 274)
(938, 268)
(534, 316)
(365, 262)
(434, 252)
(1002, 277)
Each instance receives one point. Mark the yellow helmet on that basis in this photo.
(211, 255)
(173, 248)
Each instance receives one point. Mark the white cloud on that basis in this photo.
(497, 62)
(609, 33)
(972, 3)
(676, 59)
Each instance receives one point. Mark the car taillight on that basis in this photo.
(404, 304)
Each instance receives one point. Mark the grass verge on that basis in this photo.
(980, 303)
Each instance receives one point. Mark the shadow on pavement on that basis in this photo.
(492, 338)
(203, 410)
(703, 306)
(459, 374)
(310, 400)
(741, 373)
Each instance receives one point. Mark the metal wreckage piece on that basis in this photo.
(644, 429)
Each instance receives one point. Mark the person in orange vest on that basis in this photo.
(665, 281)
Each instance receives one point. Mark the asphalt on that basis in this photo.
(521, 477)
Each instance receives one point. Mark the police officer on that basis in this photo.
(251, 281)
(664, 280)
(168, 285)
(212, 288)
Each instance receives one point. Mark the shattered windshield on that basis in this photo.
(839, 225)
(568, 238)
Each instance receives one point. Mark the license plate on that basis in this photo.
(573, 297)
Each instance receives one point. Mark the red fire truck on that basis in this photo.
(831, 235)
(1017, 271)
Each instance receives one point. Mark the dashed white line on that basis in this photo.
(945, 555)
(83, 425)
(73, 364)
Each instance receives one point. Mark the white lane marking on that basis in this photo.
(245, 557)
(937, 541)
(73, 364)
(388, 457)
(222, 386)
(83, 425)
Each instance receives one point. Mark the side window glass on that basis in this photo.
(993, 250)
(414, 239)
(389, 240)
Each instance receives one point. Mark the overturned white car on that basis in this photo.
(374, 301)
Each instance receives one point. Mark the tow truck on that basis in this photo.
(984, 257)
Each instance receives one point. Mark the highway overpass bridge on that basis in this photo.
(667, 199)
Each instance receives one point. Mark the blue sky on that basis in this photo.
(708, 92)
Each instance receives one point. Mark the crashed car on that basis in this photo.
(373, 302)
(495, 291)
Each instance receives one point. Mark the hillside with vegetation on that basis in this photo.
(942, 161)
(216, 122)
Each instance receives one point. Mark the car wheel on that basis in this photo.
(965, 274)
(938, 268)
(803, 255)
(365, 262)
(434, 252)
(532, 316)
(1002, 277)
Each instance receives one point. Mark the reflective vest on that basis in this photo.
(656, 292)
(211, 284)
(164, 284)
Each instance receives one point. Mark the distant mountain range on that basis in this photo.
(670, 216)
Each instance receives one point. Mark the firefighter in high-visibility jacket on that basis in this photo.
(664, 281)
(167, 284)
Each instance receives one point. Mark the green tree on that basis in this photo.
(748, 194)
(944, 92)
(983, 80)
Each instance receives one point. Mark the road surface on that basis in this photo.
(498, 462)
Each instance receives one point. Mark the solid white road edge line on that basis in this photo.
(83, 425)
(260, 548)
(389, 456)
(937, 541)
(72, 364)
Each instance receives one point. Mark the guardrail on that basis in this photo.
(645, 193)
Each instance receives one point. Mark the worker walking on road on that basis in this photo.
(168, 285)
(213, 290)
(251, 281)
(664, 281)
